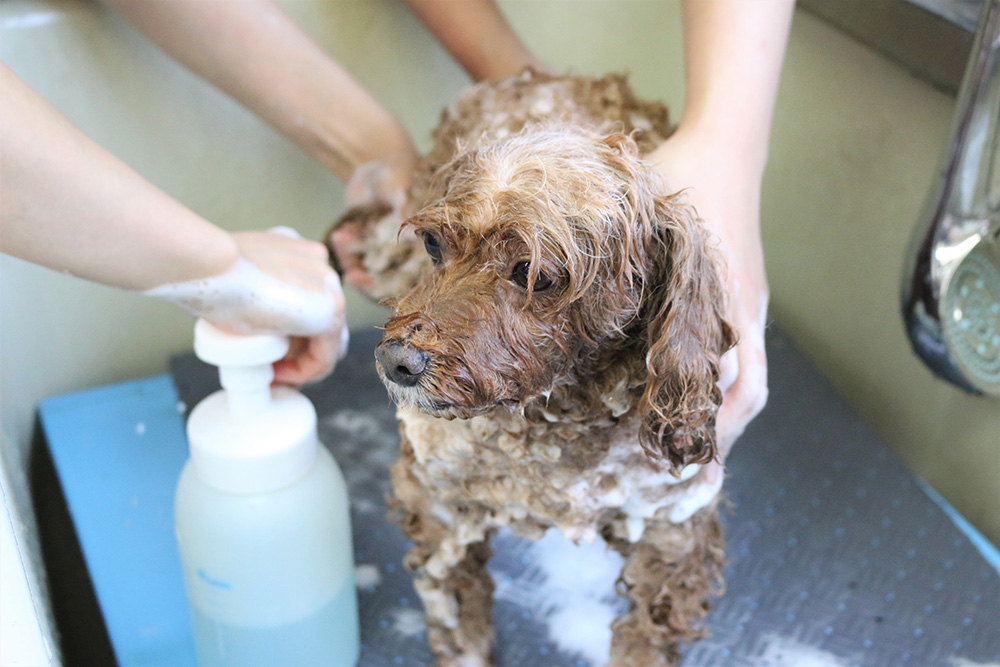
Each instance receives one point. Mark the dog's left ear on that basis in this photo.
(687, 334)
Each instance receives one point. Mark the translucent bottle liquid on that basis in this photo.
(262, 520)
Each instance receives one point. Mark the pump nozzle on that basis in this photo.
(249, 438)
(244, 363)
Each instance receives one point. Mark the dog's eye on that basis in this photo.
(521, 273)
(433, 247)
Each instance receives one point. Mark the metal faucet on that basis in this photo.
(951, 283)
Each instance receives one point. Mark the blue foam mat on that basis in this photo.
(118, 451)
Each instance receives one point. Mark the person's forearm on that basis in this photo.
(476, 34)
(254, 52)
(68, 204)
(733, 52)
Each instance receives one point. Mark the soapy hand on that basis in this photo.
(726, 195)
(374, 191)
(280, 284)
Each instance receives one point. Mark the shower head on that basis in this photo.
(951, 284)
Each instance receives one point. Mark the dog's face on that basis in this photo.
(552, 250)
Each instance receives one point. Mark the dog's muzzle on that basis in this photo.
(402, 363)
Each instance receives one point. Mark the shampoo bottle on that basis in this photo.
(262, 520)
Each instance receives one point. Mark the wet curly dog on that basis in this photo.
(554, 352)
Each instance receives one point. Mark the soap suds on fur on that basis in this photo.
(573, 593)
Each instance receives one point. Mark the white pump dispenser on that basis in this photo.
(262, 519)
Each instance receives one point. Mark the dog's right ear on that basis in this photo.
(687, 334)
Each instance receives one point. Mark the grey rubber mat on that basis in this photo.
(838, 556)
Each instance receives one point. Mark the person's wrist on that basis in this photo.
(392, 150)
(725, 143)
(386, 178)
(400, 163)
(343, 143)
(196, 252)
(508, 63)
(218, 254)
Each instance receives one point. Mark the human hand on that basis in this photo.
(374, 192)
(725, 190)
(280, 284)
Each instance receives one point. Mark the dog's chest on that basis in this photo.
(577, 478)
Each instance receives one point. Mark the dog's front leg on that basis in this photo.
(449, 556)
(459, 601)
(669, 576)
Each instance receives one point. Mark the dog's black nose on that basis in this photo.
(403, 364)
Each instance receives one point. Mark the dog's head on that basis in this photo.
(555, 252)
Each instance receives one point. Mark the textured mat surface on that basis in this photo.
(837, 554)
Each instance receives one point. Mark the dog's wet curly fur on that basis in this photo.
(554, 352)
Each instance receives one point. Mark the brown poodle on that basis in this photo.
(553, 352)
